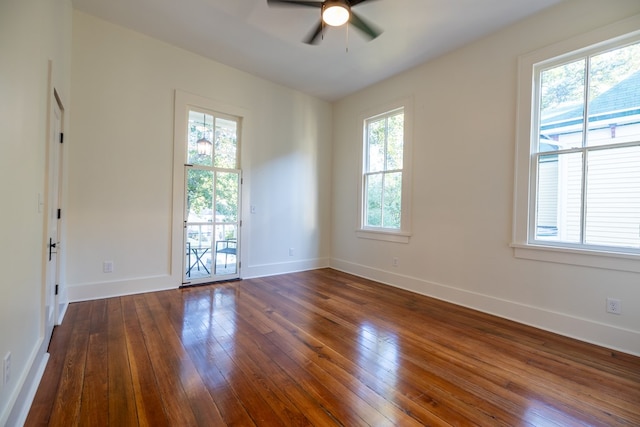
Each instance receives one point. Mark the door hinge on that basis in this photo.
(240, 223)
(61, 137)
(241, 181)
(59, 213)
(57, 286)
(239, 264)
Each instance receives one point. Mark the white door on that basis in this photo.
(52, 245)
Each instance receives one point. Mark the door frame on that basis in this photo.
(183, 102)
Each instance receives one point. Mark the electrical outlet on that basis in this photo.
(291, 251)
(107, 267)
(6, 368)
(614, 306)
(394, 262)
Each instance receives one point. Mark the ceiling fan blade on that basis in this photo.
(313, 36)
(355, 2)
(367, 28)
(294, 2)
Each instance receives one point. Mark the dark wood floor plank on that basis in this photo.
(176, 403)
(562, 414)
(316, 385)
(45, 397)
(471, 345)
(95, 392)
(321, 348)
(320, 352)
(177, 339)
(66, 407)
(122, 404)
(441, 400)
(278, 380)
(216, 369)
(148, 401)
(258, 399)
(432, 388)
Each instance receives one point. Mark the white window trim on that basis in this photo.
(385, 234)
(621, 30)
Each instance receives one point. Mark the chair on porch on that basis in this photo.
(226, 247)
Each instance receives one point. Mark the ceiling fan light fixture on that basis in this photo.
(335, 13)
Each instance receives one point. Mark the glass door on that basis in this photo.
(212, 205)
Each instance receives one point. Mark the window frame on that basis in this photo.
(619, 33)
(402, 234)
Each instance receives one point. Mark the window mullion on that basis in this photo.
(386, 166)
(583, 207)
(382, 221)
(585, 133)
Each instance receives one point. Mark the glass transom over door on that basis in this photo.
(212, 199)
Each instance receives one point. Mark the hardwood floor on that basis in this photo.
(321, 348)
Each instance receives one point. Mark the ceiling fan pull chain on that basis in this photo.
(347, 48)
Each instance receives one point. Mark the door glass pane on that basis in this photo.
(226, 249)
(199, 195)
(613, 197)
(226, 141)
(559, 197)
(198, 251)
(199, 227)
(199, 139)
(227, 197)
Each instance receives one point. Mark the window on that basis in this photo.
(582, 148)
(384, 207)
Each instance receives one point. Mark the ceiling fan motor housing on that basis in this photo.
(336, 12)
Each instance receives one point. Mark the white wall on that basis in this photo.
(463, 175)
(32, 33)
(121, 159)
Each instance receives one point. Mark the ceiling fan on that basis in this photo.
(333, 13)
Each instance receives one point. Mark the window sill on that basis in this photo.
(583, 257)
(387, 236)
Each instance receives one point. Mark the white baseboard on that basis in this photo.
(624, 340)
(21, 400)
(263, 270)
(99, 290)
(62, 310)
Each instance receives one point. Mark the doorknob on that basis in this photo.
(51, 246)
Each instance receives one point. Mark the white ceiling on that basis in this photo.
(267, 41)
